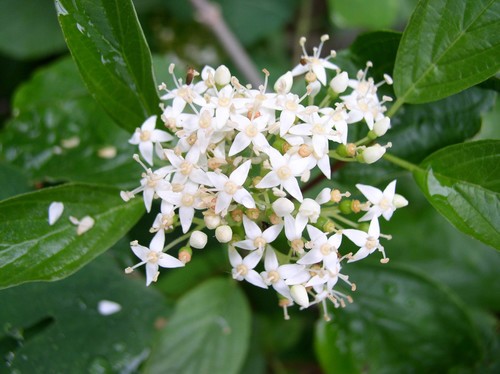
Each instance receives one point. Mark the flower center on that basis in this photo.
(291, 105)
(224, 101)
(242, 270)
(145, 135)
(273, 276)
(187, 199)
(259, 242)
(231, 187)
(205, 120)
(186, 168)
(284, 172)
(251, 131)
(325, 249)
(318, 129)
(384, 204)
(153, 257)
(298, 245)
(185, 94)
(371, 243)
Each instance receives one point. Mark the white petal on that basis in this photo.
(148, 195)
(390, 191)
(252, 230)
(358, 237)
(217, 180)
(167, 261)
(271, 261)
(158, 242)
(234, 257)
(56, 209)
(241, 141)
(254, 278)
(186, 215)
(324, 166)
(286, 121)
(251, 260)
(362, 253)
(271, 179)
(312, 257)
(239, 176)
(316, 235)
(374, 229)
(245, 244)
(271, 233)
(199, 176)
(320, 73)
(324, 196)
(140, 251)
(151, 272)
(242, 196)
(146, 150)
(371, 193)
(292, 187)
(223, 201)
(149, 124)
(160, 136)
(282, 289)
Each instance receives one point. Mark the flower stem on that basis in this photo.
(348, 222)
(180, 239)
(395, 107)
(400, 162)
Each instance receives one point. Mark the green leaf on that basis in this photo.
(447, 47)
(12, 181)
(31, 250)
(373, 14)
(108, 45)
(209, 332)
(400, 322)
(66, 333)
(29, 29)
(463, 183)
(53, 110)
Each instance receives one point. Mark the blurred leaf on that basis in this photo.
(209, 332)
(465, 265)
(400, 322)
(12, 181)
(29, 30)
(59, 132)
(251, 20)
(463, 183)
(108, 45)
(57, 327)
(374, 14)
(447, 47)
(31, 250)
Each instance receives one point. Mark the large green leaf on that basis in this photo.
(448, 46)
(208, 333)
(54, 109)
(373, 14)
(463, 183)
(108, 45)
(58, 328)
(31, 249)
(400, 322)
(28, 29)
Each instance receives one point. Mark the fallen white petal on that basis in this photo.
(106, 307)
(56, 209)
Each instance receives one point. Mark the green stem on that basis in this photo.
(336, 156)
(364, 141)
(395, 107)
(325, 102)
(179, 239)
(400, 162)
(348, 222)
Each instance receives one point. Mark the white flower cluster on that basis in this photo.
(238, 165)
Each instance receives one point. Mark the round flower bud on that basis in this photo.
(283, 207)
(373, 153)
(339, 83)
(212, 221)
(299, 295)
(198, 239)
(380, 127)
(399, 201)
(224, 234)
(284, 83)
(222, 75)
(310, 209)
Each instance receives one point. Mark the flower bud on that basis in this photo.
(185, 254)
(399, 201)
(284, 83)
(198, 239)
(373, 153)
(310, 209)
(380, 127)
(283, 206)
(313, 88)
(222, 76)
(212, 221)
(224, 234)
(299, 295)
(339, 83)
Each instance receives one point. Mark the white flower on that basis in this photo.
(186, 168)
(284, 83)
(56, 209)
(275, 275)
(368, 242)
(83, 225)
(382, 202)
(290, 107)
(146, 136)
(284, 170)
(381, 126)
(310, 210)
(152, 257)
(323, 248)
(299, 295)
(186, 201)
(250, 132)
(321, 130)
(243, 268)
(283, 207)
(340, 82)
(231, 188)
(314, 63)
(222, 75)
(373, 154)
(255, 238)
